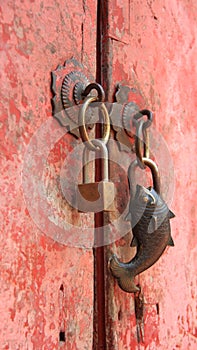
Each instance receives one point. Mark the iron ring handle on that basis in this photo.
(98, 88)
(141, 113)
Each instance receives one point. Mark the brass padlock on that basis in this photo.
(96, 196)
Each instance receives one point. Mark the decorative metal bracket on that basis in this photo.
(68, 84)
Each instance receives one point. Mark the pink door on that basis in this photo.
(56, 290)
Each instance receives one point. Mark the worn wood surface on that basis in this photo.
(153, 48)
(46, 287)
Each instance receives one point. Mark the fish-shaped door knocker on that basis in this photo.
(150, 220)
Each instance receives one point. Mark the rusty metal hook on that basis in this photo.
(98, 88)
(140, 114)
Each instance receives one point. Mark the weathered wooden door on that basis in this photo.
(56, 291)
(46, 287)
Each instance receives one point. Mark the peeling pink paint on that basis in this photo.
(36, 37)
(46, 287)
(159, 59)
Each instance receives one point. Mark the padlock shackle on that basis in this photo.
(82, 124)
(154, 171)
(102, 149)
(104, 156)
(85, 177)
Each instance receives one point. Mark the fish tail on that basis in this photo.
(123, 275)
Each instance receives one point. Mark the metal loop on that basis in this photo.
(86, 161)
(141, 143)
(104, 156)
(140, 114)
(155, 173)
(98, 88)
(146, 142)
(100, 147)
(82, 127)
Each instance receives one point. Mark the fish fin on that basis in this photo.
(134, 242)
(127, 284)
(171, 242)
(152, 224)
(171, 214)
(120, 272)
(116, 266)
(128, 216)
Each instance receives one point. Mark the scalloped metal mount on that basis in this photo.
(68, 83)
(129, 102)
(73, 86)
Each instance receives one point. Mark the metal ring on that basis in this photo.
(141, 142)
(146, 142)
(82, 127)
(98, 88)
(139, 115)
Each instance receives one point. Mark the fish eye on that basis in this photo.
(145, 199)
